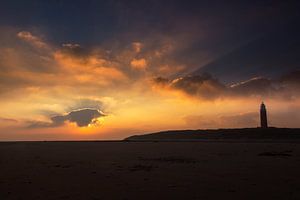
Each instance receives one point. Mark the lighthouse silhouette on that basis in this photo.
(263, 116)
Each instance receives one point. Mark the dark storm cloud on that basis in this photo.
(82, 118)
(209, 88)
(201, 85)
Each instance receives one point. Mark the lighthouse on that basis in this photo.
(263, 116)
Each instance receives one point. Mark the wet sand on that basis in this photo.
(150, 170)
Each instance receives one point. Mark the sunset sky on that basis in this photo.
(90, 70)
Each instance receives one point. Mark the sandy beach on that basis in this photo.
(150, 170)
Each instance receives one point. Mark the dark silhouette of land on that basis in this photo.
(222, 134)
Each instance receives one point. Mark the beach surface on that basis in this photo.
(150, 170)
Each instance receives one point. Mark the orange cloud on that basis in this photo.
(137, 47)
(139, 64)
(88, 68)
(170, 69)
(33, 40)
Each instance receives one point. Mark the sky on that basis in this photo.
(105, 70)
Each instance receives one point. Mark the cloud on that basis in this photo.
(286, 86)
(86, 103)
(139, 64)
(9, 123)
(255, 86)
(81, 118)
(8, 120)
(88, 66)
(49, 66)
(161, 81)
(137, 46)
(202, 86)
(70, 65)
(206, 87)
(71, 46)
(170, 69)
(32, 39)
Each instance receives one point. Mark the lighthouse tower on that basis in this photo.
(263, 116)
